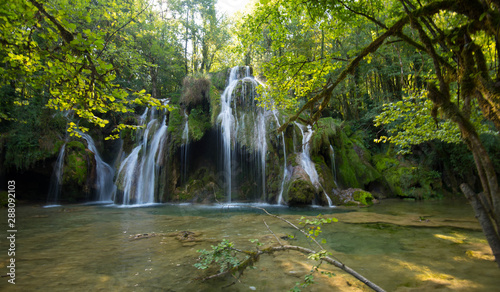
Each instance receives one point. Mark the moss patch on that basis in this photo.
(363, 197)
(300, 192)
(408, 180)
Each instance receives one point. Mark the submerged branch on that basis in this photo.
(291, 224)
(254, 256)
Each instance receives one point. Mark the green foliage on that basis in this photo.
(409, 122)
(308, 280)
(74, 53)
(256, 241)
(313, 227)
(34, 136)
(222, 255)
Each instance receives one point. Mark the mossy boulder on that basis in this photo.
(354, 197)
(300, 191)
(363, 197)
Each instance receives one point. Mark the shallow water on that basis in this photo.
(401, 246)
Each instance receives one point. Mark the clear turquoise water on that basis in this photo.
(89, 248)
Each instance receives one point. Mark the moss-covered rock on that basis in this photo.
(354, 165)
(406, 179)
(201, 188)
(214, 104)
(324, 134)
(354, 197)
(300, 191)
(363, 197)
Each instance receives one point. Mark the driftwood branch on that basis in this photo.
(254, 256)
(291, 224)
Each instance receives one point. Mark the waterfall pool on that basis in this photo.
(399, 245)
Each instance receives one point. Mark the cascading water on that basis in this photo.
(56, 178)
(243, 129)
(307, 164)
(262, 149)
(285, 170)
(104, 173)
(305, 159)
(226, 120)
(184, 149)
(334, 170)
(330, 203)
(138, 171)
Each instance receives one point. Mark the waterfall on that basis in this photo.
(184, 149)
(243, 129)
(334, 170)
(138, 172)
(104, 173)
(330, 204)
(285, 170)
(262, 149)
(226, 120)
(56, 178)
(305, 159)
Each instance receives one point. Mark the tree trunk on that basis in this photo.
(487, 204)
(486, 223)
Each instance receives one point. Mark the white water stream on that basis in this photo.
(139, 170)
(285, 170)
(104, 173)
(56, 178)
(236, 124)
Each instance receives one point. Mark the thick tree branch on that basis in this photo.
(65, 34)
(395, 29)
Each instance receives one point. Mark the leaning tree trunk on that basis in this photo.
(486, 205)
